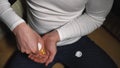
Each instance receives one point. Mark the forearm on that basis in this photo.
(78, 27)
(8, 16)
(96, 11)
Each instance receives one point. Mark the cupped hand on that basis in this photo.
(50, 41)
(39, 57)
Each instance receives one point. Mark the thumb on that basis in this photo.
(50, 59)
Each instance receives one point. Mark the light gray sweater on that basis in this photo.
(66, 16)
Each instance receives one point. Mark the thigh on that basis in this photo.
(92, 55)
(20, 60)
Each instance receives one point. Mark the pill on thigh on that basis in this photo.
(78, 54)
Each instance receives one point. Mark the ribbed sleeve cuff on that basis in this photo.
(11, 19)
(68, 31)
(60, 34)
(16, 24)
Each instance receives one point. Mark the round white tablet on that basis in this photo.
(78, 54)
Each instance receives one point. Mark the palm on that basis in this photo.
(50, 41)
(50, 46)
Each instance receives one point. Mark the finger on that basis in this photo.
(36, 58)
(31, 57)
(42, 58)
(50, 59)
(25, 49)
(22, 49)
(34, 49)
(46, 56)
(28, 51)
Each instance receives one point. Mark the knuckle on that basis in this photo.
(34, 51)
(28, 52)
(22, 51)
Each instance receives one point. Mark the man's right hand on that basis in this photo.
(27, 39)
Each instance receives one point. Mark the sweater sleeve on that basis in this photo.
(8, 16)
(96, 11)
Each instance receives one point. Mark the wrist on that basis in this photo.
(20, 27)
(52, 36)
(56, 35)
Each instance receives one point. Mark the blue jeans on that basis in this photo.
(92, 56)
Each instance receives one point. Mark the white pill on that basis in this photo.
(78, 54)
(39, 46)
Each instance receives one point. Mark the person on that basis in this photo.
(60, 26)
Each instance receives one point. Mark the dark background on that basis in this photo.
(112, 23)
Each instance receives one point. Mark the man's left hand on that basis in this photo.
(50, 41)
